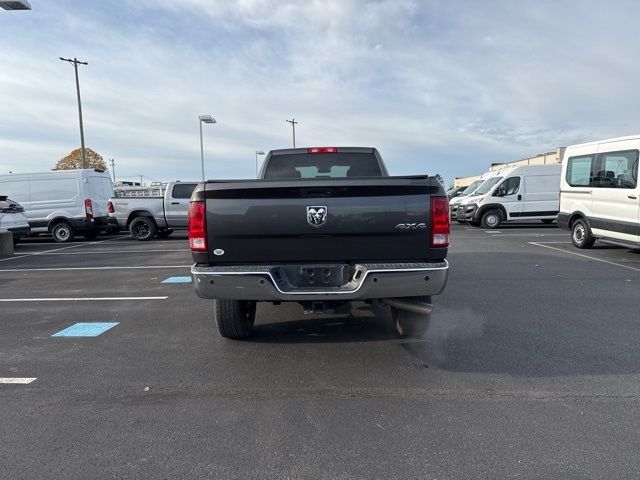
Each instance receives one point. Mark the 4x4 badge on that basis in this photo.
(317, 215)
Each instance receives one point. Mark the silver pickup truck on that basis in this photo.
(148, 217)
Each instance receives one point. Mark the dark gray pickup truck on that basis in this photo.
(320, 226)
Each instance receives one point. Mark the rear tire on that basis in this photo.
(62, 232)
(143, 228)
(410, 324)
(491, 219)
(235, 318)
(581, 235)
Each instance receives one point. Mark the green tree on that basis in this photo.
(74, 161)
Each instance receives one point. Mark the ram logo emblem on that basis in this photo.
(316, 216)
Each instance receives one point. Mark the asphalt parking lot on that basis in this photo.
(530, 369)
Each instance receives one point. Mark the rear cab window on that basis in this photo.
(182, 190)
(323, 165)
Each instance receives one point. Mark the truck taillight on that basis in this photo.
(440, 222)
(88, 208)
(197, 227)
(110, 207)
(322, 150)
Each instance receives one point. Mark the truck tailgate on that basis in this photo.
(384, 219)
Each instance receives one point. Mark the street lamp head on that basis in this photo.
(15, 5)
(207, 119)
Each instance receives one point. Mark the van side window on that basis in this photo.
(511, 185)
(182, 190)
(617, 170)
(579, 170)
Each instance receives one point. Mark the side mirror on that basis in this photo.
(501, 192)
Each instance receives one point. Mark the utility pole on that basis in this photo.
(113, 169)
(75, 63)
(293, 125)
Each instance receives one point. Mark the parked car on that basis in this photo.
(13, 219)
(530, 192)
(321, 226)
(62, 202)
(146, 217)
(600, 193)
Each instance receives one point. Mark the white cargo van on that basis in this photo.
(62, 202)
(600, 192)
(529, 192)
(486, 183)
(467, 193)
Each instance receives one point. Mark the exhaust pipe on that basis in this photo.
(410, 305)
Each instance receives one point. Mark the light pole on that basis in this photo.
(75, 62)
(204, 119)
(258, 152)
(15, 5)
(293, 125)
(113, 169)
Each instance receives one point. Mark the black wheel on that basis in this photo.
(410, 324)
(164, 233)
(62, 232)
(143, 228)
(547, 221)
(235, 318)
(491, 219)
(581, 235)
(92, 235)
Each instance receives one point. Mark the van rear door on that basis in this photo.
(98, 189)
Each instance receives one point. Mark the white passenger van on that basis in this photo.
(62, 202)
(599, 192)
(529, 192)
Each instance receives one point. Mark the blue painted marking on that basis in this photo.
(177, 280)
(85, 329)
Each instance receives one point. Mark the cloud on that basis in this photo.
(446, 87)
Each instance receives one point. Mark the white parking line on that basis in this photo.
(584, 256)
(66, 269)
(528, 234)
(83, 244)
(21, 381)
(78, 299)
(90, 252)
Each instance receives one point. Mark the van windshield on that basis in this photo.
(487, 185)
(472, 188)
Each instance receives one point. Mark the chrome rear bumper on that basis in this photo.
(369, 281)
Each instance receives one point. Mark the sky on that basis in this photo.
(444, 87)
